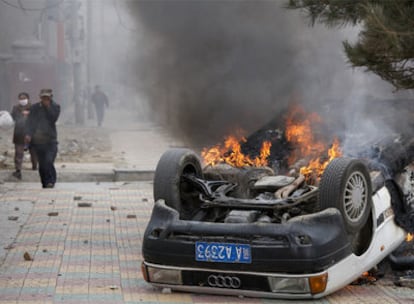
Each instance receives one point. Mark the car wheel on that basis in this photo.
(170, 185)
(346, 185)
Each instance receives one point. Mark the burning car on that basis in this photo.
(249, 231)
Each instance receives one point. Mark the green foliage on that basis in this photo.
(386, 41)
(330, 12)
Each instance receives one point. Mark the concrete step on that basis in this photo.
(92, 175)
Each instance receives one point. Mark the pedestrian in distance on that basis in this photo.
(100, 100)
(20, 112)
(41, 133)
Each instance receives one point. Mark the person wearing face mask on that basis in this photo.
(20, 112)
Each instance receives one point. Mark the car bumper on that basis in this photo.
(217, 278)
(305, 244)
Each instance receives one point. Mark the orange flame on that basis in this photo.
(409, 237)
(231, 154)
(317, 166)
(299, 132)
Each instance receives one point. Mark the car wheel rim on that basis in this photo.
(355, 197)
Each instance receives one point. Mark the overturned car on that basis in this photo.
(251, 232)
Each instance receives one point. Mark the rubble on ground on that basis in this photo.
(76, 144)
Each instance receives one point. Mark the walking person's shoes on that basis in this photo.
(17, 174)
(49, 185)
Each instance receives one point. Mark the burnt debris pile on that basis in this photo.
(280, 150)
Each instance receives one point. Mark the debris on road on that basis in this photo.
(84, 205)
(27, 256)
(76, 144)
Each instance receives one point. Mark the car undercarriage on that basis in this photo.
(273, 234)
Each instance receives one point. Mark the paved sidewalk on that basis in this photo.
(137, 142)
(82, 243)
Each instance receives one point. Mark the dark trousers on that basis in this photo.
(100, 112)
(46, 154)
(18, 156)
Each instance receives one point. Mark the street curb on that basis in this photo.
(133, 175)
(114, 175)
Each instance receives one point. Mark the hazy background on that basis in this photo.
(203, 69)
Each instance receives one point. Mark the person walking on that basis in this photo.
(20, 113)
(41, 133)
(100, 100)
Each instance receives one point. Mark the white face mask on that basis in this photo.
(23, 102)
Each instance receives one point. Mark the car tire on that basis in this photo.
(169, 184)
(346, 185)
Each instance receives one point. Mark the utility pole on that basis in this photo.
(77, 52)
(89, 37)
(55, 15)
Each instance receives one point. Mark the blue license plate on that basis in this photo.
(223, 252)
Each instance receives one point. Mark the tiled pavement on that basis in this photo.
(93, 254)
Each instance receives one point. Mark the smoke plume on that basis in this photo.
(209, 68)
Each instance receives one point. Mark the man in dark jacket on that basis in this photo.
(42, 135)
(100, 100)
(19, 113)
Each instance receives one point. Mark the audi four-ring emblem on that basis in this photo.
(223, 281)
